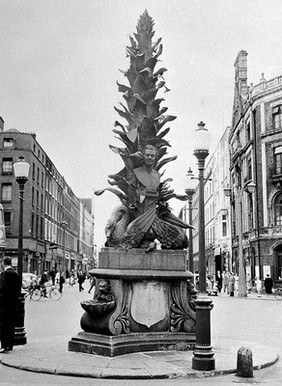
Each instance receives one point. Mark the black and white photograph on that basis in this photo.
(140, 192)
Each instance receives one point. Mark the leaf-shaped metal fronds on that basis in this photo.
(123, 88)
(120, 125)
(124, 114)
(163, 133)
(119, 194)
(165, 161)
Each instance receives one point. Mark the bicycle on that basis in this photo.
(277, 293)
(37, 292)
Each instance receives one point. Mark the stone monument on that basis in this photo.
(143, 298)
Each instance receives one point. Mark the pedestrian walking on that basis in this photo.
(268, 285)
(225, 281)
(52, 274)
(93, 283)
(231, 284)
(236, 284)
(72, 279)
(61, 282)
(42, 283)
(258, 285)
(10, 290)
(249, 283)
(80, 281)
(57, 278)
(219, 281)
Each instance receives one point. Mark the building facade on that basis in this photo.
(51, 212)
(256, 157)
(217, 208)
(217, 211)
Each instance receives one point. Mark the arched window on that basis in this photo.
(278, 210)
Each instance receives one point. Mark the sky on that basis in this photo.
(60, 60)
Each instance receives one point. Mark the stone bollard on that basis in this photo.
(245, 362)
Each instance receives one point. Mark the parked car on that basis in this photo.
(27, 279)
(212, 289)
(211, 286)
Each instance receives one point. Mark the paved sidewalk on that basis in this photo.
(52, 357)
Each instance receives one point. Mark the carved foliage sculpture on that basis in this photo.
(144, 125)
(183, 315)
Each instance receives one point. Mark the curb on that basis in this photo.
(146, 365)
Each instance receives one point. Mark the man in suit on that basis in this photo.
(10, 289)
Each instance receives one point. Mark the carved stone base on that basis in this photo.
(112, 346)
(142, 301)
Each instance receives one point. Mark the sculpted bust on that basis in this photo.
(147, 178)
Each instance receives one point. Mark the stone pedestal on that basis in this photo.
(150, 305)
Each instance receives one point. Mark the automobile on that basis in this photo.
(27, 279)
(211, 285)
(212, 289)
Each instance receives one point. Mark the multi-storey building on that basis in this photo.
(86, 237)
(217, 208)
(52, 212)
(217, 211)
(256, 157)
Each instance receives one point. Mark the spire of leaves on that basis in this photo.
(143, 117)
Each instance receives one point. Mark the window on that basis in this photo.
(8, 142)
(32, 196)
(248, 132)
(6, 192)
(277, 117)
(224, 225)
(278, 210)
(279, 264)
(249, 168)
(7, 221)
(32, 224)
(33, 170)
(7, 166)
(278, 160)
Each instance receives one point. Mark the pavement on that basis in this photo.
(50, 355)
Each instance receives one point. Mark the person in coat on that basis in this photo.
(268, 285)
(81, 279)
(61, 282)
(231, 284)
(42, 283)
(219, 281)
(10, 290)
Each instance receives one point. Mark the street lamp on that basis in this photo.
(64, 225)
(190, 191)
(249, 187)
(21, 170)
(203, 354)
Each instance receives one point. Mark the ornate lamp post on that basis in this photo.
(190, 191)
(21, 170)
(203, 354)
(250, 188)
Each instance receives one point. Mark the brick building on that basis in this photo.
(52, 219)
(256, 157)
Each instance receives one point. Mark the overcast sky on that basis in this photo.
(60, 61)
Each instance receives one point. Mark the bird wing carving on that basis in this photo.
(169, 217)
(137, 229)
(170, 236)
(121, 232)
